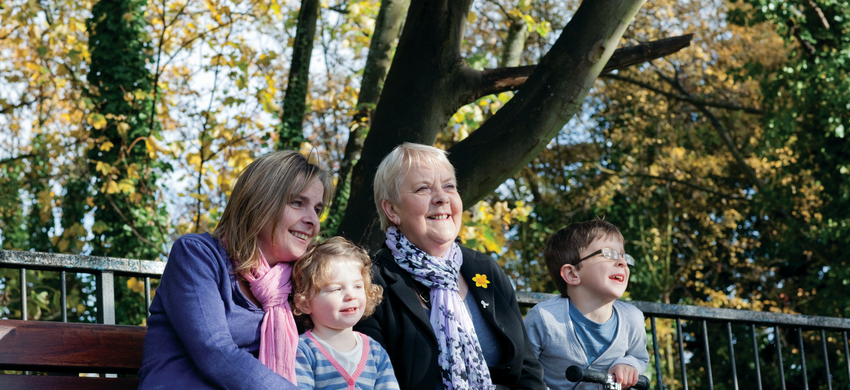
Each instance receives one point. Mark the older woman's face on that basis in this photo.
(430, 213)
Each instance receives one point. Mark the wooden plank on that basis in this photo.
(70, 347)
(29, 382)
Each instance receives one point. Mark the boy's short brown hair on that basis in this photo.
(565, 246)
(315, 269)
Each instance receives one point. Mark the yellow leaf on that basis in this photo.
(471, 17)
(103, 167)
(110, 187)
(99, 227)
(135, 284)
(123, 127)
(97, 121)
(106, 146)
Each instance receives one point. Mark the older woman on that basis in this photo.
(449, 318)
(220, 317)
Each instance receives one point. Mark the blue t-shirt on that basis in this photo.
(594, 337)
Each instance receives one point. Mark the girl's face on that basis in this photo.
(340, 303)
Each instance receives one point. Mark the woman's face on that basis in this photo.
(296, 229)
(430, 212)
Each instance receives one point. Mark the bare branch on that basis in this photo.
(807, 46)
(685, 98)
(724, 134)
(510, 79)
(820, 13)
(16, 158)
(133, 227)
(11, 108)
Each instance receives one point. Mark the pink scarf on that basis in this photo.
(278, 334)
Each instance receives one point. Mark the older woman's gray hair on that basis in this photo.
(395, 166)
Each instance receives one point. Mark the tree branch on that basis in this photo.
(510, 79)
(11, 108)
(724, 135)
(548, 99)
(807, 46)
(820, 14)
(16, 158)
(684, 98)
(133, 227)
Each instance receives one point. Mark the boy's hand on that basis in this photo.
(625, 375)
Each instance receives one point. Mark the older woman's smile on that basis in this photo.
(430, 211)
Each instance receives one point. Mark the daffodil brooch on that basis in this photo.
(480, 280)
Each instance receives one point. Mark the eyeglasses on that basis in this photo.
(611, 254)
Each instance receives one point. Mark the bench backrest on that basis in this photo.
(69, 348)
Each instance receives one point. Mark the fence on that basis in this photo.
(765, 328)
(773, 322)
(104, 270)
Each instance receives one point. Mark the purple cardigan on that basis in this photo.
(203, 332)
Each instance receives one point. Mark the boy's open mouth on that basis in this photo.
(350, 310)
(619, 278)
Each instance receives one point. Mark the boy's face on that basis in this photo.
(603, 277)
(340, 303)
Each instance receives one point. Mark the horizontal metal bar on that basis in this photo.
(56, 261)
(687, 312)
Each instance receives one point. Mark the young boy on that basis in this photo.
(587, 326)
(333, 286)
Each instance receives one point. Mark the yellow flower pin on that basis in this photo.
(480, 280)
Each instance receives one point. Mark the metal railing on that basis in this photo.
(104, 270)
(768, 321)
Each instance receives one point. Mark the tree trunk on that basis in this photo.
(387, 26)
(290, 131)
(515, 41)
(429, 80)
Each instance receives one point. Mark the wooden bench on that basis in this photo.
(67, 349)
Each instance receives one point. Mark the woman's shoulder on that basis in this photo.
(196, 249)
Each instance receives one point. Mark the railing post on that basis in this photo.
(24, 294)
(826, 360)
(147, 296)
(64, 296)
(732, 356)
(756, 354)
(682, 354)
(106, 297)
(707, 355)
(776, 339)
(803, 358)
(659, 380)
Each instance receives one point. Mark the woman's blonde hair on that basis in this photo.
(317, 267)
(395, 167)
(260, 197)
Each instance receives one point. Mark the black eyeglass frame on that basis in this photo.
(612, 254)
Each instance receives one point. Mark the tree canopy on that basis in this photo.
(716, 144)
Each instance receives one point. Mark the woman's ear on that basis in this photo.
(570, 275)
(389, 210)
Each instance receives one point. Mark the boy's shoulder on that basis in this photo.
(627, 308)
(556, 307)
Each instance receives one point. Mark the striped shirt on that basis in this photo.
(315, 368)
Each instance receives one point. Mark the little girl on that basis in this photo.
(333, 286)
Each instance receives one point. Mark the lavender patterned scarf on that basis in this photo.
(461, 361)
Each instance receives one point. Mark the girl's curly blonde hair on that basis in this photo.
(316, 268)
